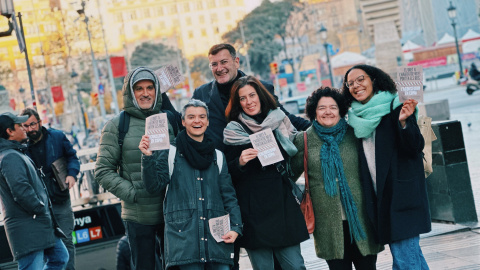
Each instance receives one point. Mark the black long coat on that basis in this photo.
(400, 208)
(270, 214)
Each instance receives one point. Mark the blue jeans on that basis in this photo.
(54, 258)
(64, 214)
(204, 266)
(290, 258)
(408, 255)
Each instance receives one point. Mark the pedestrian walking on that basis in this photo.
(273, 222)
(199, 189)
(24, 201)
(391, 163)
(343, 234)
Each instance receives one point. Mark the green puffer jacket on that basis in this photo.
(328, 233)
(137, 204)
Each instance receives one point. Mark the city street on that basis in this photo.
(448, 246)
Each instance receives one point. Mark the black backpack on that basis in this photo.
(124, 124)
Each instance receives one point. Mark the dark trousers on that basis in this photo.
(64, 215)
(142, 240)
(351, 254)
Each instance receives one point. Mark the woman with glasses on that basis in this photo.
(343, 234)
(391, 166)
(273, 222)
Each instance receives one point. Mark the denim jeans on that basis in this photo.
(64, 215)
(408, 255)
(54, 258)
(144, 246)
(290, 258)
(204, 266)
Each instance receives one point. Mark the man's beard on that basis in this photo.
(34, 135)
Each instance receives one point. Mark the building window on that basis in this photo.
(204, 32)
(225, 3)
(135, 29)
(228, 15)
(199, 5)
(159, 11)
(190, 34)
(189, 21)
(214, 18)
(149, 27)
(146, 13)
(217, 31)
(133, 15)
(162, 24)
(186, 7)
(119, 17)
(173, 9)
(211, 4)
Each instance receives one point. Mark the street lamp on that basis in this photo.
(452, 13)
(323, 36)
(81, 12)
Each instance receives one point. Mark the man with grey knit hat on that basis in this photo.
(118, 168)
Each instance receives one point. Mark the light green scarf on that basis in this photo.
(364, 118)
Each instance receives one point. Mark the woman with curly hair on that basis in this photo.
(343, 234)
(391, 166)
(273, 222)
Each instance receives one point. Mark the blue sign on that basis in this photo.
(101, 89)
(82, 236)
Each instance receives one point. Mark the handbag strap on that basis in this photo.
(305, 162)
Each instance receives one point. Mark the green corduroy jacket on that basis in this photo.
(328, 233)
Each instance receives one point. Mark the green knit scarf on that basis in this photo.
(332, 169)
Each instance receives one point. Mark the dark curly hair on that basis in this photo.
(325, 91)
(267, 101)
(381, 81)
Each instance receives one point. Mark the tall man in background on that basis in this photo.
(44, 147)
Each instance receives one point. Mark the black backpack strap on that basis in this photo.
(248, 130)
(123, 126)
(173, 122)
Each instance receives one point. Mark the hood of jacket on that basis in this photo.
(9, 144)
(130, 104)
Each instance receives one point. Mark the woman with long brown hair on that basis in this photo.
(273, 222)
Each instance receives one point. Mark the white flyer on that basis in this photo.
(219, 226)
(169, 76)
(410, 83)
(268, 150)
(156, 127)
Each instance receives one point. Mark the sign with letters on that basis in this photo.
(410, 83)
(156, 127)
(268, 150)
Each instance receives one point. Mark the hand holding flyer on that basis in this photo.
(169, 76)
(268, 150)
(410, 83)
(156, 127)
(219, 227)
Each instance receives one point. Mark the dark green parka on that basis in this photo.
(137, 204)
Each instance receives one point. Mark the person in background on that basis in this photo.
(274, 225)
(45, 146)
(74, 132)
(198, 190)
(24, 201)
(343, 233)
(391, 163)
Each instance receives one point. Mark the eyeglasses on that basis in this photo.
(31, 125)
(359, 80)
(215, 65)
